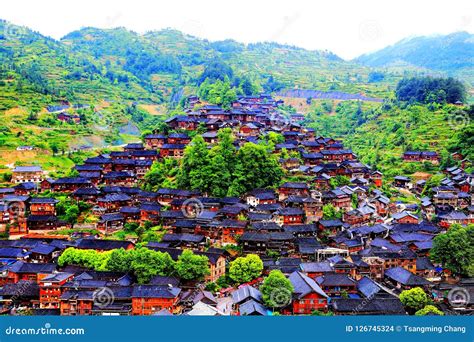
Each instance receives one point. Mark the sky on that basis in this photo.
(347, 28)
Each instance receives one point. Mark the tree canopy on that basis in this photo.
(414, 299)
(430, 89)
(277, 290)
(224, 171)
(245, 269)
(144, 263)
(191, 266)
(429, 310)
(455, 250)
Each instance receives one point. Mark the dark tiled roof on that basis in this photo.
(102, 244)
(304, 285)
(405, 277)
(155, 291)
(382, 306)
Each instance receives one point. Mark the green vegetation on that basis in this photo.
(330, 212)
(277, 290)
(192, 267)
(414, 299)
(455, 250)
(448, 55)
(219, 171)
(380, 133)
(245, 269)
(130, 83)
(429, 310)
(144, 263)
(220, 92)
(430, 90)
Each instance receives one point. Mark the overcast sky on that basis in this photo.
(345, 27)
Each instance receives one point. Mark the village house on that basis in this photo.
(417, 156)
(26, 271)
(51, 289)
(172, 150)
(307, 296)
(149, 299)
(292, 188)
(336, 284)
(154, 141)
(23, 174)
(404, 279)
(232, 230)
(286, 216)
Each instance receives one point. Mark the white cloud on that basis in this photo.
(348, 28)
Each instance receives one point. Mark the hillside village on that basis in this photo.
(345, 245)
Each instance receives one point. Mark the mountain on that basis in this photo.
(452, 54)
(182, 58)
(126, 83)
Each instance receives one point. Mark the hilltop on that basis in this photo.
(451, 54)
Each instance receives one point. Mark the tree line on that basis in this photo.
(220, 171)
(142, 262)
(430, 90)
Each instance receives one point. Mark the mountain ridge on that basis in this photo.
(452, 54)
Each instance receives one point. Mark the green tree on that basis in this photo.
(88, 258)
(147, 263)
(414, 299)
(455, 249)
(429, 310)
(194, 165)
(72, 213)
(277, 290)
(119, 260)
(255, 168)
(245, 269)
(339, 180)
(191, 266)
(330, 212)
(222, 163)
(162, 174)
(219, 92)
